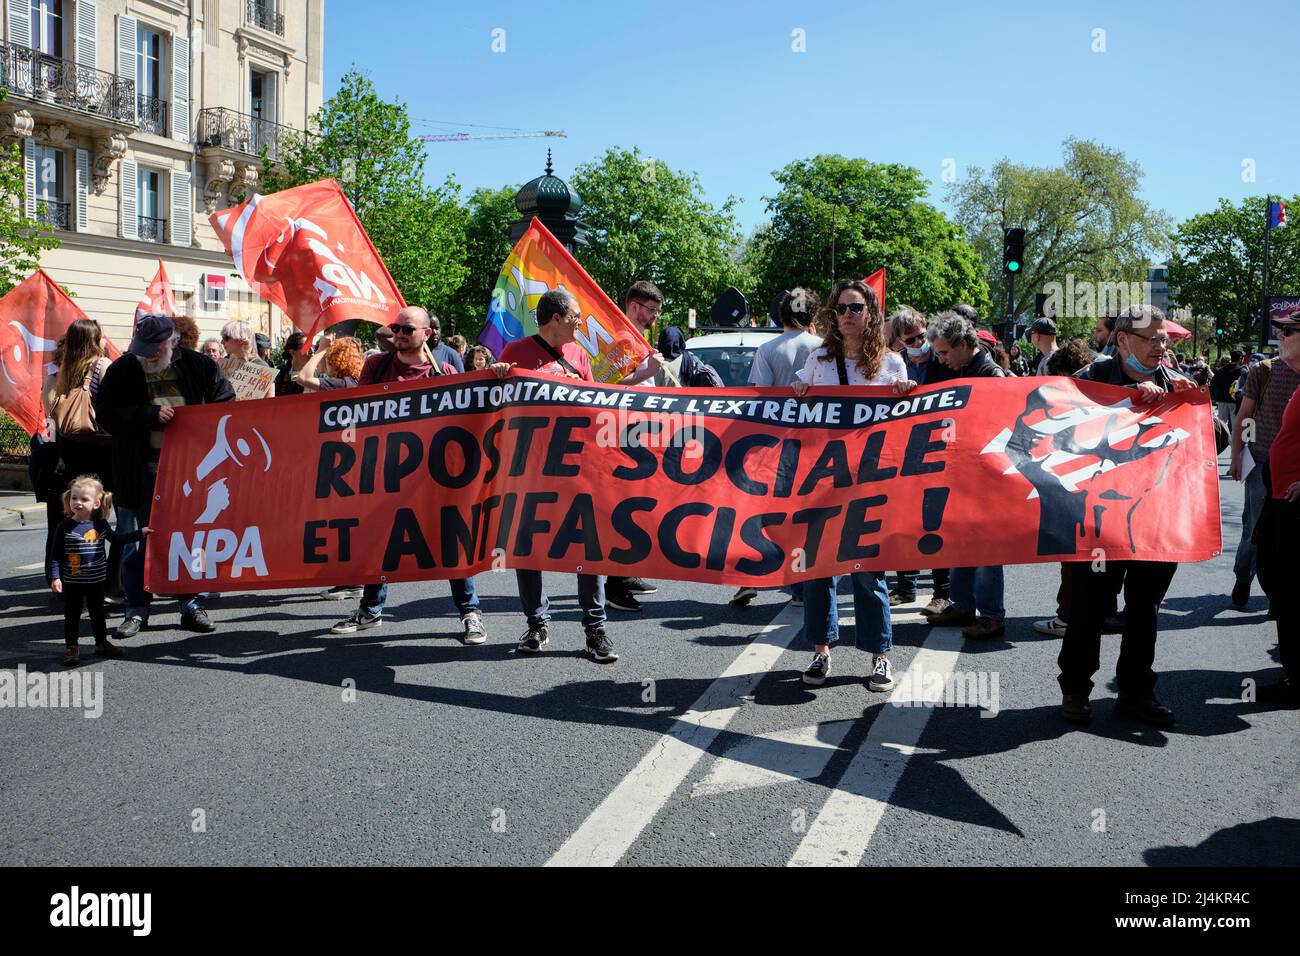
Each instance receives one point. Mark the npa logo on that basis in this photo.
(76, 909)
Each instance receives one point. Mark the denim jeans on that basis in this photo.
(874, 628)
(537, 606)
(1244, 567)
(463, 595)
(136, 599)
(907, 582)
(979, 589)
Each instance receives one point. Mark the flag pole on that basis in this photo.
(1263, 291)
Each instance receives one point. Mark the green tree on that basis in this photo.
(487, 243)
(365, 143)
(647, 221)
(877, 216)
(21, 241)
(1083, 222)
(1218, 262)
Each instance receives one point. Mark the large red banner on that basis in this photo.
(305, 250)
(33, 316)
(445, 478)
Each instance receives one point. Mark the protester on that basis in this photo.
(78, 563)
(980, 588)
(137, 400)
(999, 353)
(478, 358)
(1221, 383)
(440, 350)
(187, 330)
(410, 361)
(286, 380)
(1019, 364)
(853, 352)
(1268, 390)
(342, 359)
(777, 363)
(240, 343)
(681, 369)
(383, 342)
(1042, 335)
(554, 350)
(458, 345)
(263, 343)
(213, 350)
(908, 328)
(1277, 531)
(1101, 335)
(1140, 344)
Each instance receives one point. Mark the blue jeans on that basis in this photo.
(907, 582)
(136, 598)
(463, 595)
(979, 589)
(821, 618)
(1244, 567)
(537, 606)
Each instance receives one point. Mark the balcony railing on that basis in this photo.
(56, 215)
(220, 127)
(151, 113)
(38, 76)
(263, 14)
(153, 230)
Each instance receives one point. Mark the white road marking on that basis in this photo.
(30, 567)
(780, 757)
(844, 827)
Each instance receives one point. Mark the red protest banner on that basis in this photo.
(305, 250)
(33, 316)
(441, 479)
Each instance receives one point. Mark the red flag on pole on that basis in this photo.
(876, 283)
(33, 316)
(158, 297)
(305, 250)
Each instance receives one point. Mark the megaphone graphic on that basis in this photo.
(221, 450)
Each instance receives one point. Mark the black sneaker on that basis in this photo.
(818, 669)
(194, 618)
(599, 646)
(639, 586)
(129, 628)
(359, 621)
(534, 639)
(1240, 593)
(623, 600)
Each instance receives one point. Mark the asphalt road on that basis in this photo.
(699, 746)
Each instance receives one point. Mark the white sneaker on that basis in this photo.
(475, 632)
(1052, 628)
(882, 674)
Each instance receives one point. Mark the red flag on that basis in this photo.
(158, 297)
(305, 250)
(33, 316)
(876, 283)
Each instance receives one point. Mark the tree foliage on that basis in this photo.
(489, 213)
(365, 143)
(877, 216)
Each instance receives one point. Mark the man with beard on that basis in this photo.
(137, 400)
(440, 350)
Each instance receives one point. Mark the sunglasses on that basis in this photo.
(918, 337)
(1286, 330)
(855, 307)
(398, 329)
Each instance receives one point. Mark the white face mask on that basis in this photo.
(918, 352)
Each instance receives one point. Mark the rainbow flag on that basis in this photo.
(538, 263)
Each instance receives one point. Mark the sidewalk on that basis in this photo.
(19, 509)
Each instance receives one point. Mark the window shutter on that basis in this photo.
(29, 177)
(127, 40)
(129, 187)
(182, 210)
(83, 190)
(86, 26)
(20, 24)
(181, 88)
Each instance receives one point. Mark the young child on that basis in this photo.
(79, 562)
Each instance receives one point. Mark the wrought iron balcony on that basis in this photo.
(37, 76)
(220, 127)
(261, 13)
(56, 215)
(151, 113)
(153, 230)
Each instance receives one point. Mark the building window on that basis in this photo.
(153, 226)
(47, 26)
(152, 109)
(51, 209)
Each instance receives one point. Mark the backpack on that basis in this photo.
(697, 374)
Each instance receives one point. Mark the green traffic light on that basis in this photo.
(1013, 266)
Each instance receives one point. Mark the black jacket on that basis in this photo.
(124, 407)
(1110, 371)
(981, 366)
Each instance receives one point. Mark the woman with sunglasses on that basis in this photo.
(853, 352)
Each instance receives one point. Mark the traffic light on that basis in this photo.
(1218, 328)
(1013, 250)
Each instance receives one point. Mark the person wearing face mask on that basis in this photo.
(1140, 346)
(137, 401)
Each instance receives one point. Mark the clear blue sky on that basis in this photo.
(1187, 89)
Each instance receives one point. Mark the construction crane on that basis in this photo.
(517, 134)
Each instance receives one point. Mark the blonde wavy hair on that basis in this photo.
(94, 484)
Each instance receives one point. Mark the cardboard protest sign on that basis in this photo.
(250, 380)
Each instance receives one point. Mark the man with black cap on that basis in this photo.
(1043, 336)
(137, 400)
